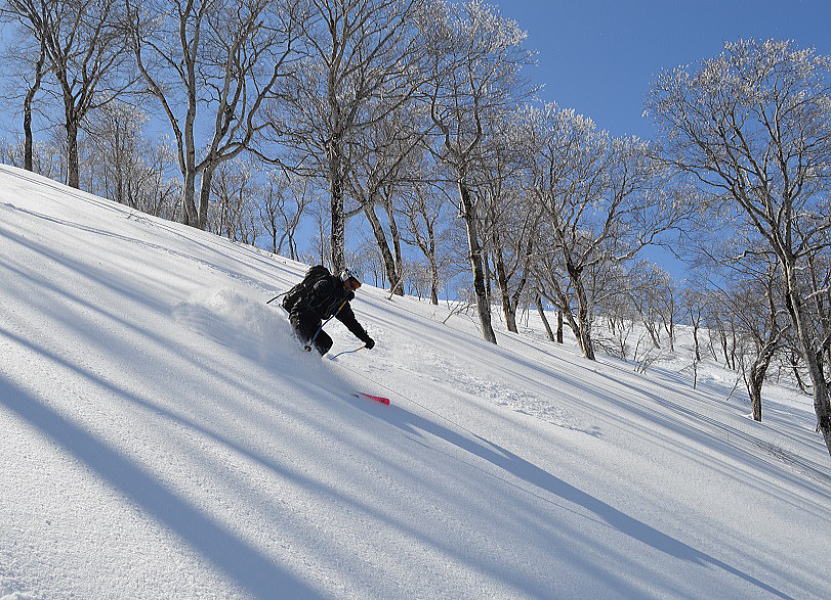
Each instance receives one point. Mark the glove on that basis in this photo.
(370, 343)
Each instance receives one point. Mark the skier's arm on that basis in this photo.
(347, 317)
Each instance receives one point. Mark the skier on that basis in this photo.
(328, 296)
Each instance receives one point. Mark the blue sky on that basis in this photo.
(600, 56)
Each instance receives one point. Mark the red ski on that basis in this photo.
(379, 399)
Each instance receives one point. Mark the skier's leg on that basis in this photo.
(304, 327)
(323, 343)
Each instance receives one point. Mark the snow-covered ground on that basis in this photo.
(162, 436)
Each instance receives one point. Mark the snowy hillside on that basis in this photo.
(163, 437)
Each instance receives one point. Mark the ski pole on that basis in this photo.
(358, 349)
(308, 347)
(275, 297)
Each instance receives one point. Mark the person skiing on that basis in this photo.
(326, 297)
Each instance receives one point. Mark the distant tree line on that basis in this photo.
(263, 120)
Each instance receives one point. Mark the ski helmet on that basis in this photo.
(346, 274)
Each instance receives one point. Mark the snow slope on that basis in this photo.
(163, 437)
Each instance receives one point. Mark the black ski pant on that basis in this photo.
(305, 327)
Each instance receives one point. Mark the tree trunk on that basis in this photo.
(205, 193)
(338, 231)
(653, 333)
(670, 329)
(486, 266)
(711, 346)
(336, 187)
(564, 314)
(434, 267)
(189, 213)
(723, 341)
(390, 266)
(585, 341)
(508, 308)
(583, 311)
(73, 173)
(757, 376)
(697, 346)
(477, 264)
(541, 310)
(28, 137)
(754, 388)
(434, 282)
(397, 287)
(28, 144)
(811, 355)
(793, 358)
(121, 194)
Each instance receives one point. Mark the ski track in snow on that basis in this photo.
(467, 379)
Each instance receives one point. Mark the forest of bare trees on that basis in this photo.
(403, 139)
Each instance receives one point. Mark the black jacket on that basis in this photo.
(326, 298)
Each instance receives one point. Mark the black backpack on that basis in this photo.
(313, 275)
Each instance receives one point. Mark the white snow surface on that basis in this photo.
(163, 436)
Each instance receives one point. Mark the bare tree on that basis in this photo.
(696, 302)
(751, 125)
(285, 200)
(233, 213)
(124, 165)
(509, 220)
(791, 358)
(211, 65)
(83, 44)
(541, 311)
(603, 203)
(476, 56)
(46, 157)
(28, 60)
(756, 308)
(116, 147)
(423, 209)
(28, 102)
(668, 309)
(621, 314)
(384, 161)
(819, 276)
(361, 63)
(648, 293)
